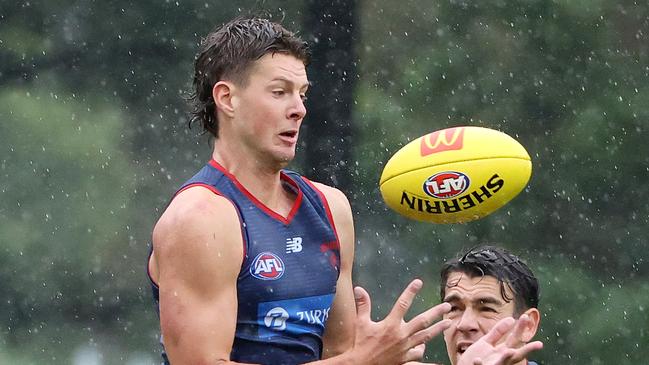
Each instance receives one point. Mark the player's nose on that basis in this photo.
(467, 322)
(297, 111)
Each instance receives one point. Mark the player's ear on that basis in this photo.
(533, 326)
(222, 95)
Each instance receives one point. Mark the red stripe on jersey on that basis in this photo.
(327, 209)
(285, 220)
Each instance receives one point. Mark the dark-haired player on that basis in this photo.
(252, 263)
(486, 287)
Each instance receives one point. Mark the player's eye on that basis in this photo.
(303, 97)
(278, 92)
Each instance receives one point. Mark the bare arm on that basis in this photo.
(197, 258)
(351, 337)
(198, 252)
(339, 333)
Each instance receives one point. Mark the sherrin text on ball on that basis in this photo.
(455, 175)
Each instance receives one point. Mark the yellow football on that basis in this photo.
(455, 175)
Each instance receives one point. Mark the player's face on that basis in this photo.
(270, 108)
(476, 306)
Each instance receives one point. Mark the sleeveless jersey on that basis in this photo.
(288, 276)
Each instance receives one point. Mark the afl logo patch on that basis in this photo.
(447, 184)
(267, 266)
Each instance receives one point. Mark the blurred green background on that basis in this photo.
(93, 142)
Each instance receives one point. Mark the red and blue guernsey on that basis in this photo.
(288, 277)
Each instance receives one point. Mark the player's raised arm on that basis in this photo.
(260, 270)
(351, 337)
(198, 252)
(339, 332)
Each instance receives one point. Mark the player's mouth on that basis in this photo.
(462, 346)
(289, 136)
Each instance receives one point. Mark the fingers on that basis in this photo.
(508, 356)
(363, 303)
(515, 339)
(425, 319)
(499, 331)
(404, 302)
(416, 353)
(525, 350)
(429, 333)
(422, 325)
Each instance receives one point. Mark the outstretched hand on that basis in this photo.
(393, 340)
(491, 350)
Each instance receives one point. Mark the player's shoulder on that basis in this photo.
(198, 202)
(343, 220)
(199, 235)
(193, 213)
(338, 203)
(334, 196)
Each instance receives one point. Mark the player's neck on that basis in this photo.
(260, 179)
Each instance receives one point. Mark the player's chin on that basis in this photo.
(283, 158)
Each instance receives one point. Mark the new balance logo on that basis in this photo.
(294, 245)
